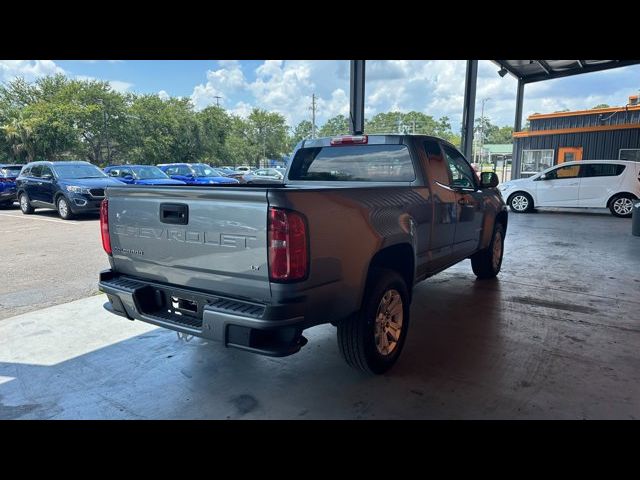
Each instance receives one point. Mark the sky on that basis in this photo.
(434, 87)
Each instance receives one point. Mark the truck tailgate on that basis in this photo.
(213, 239)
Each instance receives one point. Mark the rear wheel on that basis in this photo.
(622, 205)
(487, 263)
(372, 339)
(64, 210)
(25, 204)
(520, 202)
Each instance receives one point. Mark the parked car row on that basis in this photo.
(78, 187)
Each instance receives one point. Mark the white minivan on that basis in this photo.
(612, 184)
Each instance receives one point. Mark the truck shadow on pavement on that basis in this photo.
(455, 335)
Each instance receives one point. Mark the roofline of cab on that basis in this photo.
(380, 138)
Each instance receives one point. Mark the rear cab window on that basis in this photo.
(354, 163)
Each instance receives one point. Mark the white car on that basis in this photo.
(243, 169)
(612, 184)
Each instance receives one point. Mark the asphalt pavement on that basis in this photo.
(46, 261)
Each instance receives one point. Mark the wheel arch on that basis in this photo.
(399, 258)
(503, 218)
(617, 194)
(57, 196)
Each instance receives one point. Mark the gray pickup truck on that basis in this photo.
(356, 223)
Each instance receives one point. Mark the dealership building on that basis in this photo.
(611, 133)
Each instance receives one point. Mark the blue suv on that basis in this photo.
(69, 187)
(140, 175)
(8, 175)
(195, 174)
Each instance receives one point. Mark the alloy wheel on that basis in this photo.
(388, 325)
(497, 251)
(520, 203)
(623, 206)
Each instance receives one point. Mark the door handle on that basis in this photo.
(39, 183)
(174, 213)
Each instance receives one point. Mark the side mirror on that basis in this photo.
(489, 180)
(47, 176)
(543, 176)
(129, 178)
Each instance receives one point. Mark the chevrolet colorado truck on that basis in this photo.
(356, 223)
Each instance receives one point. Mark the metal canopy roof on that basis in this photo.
(529, 71)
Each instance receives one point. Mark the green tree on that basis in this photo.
(410, 122)
(239, 145)
(501, 135)
(213, 129)
(484, 129)
(267, 134)
(302, 131)
(338, 125)
(98, 115)
(162, 131)
(19, 139)
(601, 105)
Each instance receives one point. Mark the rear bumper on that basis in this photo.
(8, 194)
(264, 329)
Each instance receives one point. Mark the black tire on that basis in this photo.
(520, 202)
(621, 205)
(357, 334)
(487, 263)
(64, 209)
(25, 204)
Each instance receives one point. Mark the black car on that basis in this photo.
(69, 187)
(8, 175)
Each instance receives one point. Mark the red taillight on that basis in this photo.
(104, 226)
(350, 140)
(288, 245)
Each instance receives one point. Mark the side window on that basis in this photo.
(462, 175)
(26, 172)
(438, 168)
(602, 170)
(571, 171)
(36, 171)
(46, 170)
(114, 172)
(183, 170)
(171, 171)
(126, 171)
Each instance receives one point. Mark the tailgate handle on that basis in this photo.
(174, 213)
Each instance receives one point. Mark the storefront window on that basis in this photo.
(534, 161)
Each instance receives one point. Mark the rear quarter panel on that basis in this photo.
(347, 226)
